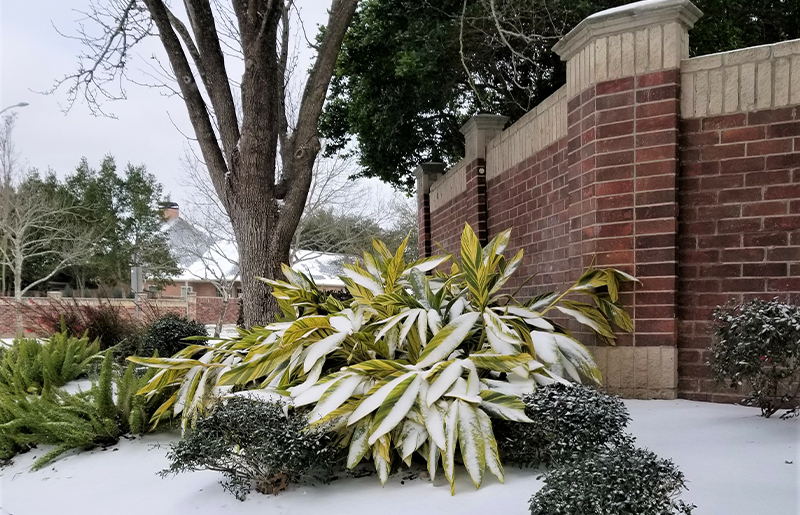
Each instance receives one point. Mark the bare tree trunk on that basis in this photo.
(225, 301)
(18, 297)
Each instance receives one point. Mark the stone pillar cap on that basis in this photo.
(626, 18)
(494, 122)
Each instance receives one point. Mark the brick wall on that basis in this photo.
(685, 172)
(208, 309)
(739, 225)
(532, 197)
(203, 309)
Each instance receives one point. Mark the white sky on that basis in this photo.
(148, 125)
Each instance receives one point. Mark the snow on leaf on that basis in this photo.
(321, 348)
(447, 339)
(395, 407)
(444, 382)
(358, 443)
(471, 442)
(374, 401)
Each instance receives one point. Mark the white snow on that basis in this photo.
(221, 261)
(735, 463)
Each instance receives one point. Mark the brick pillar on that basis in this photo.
(623, 76)
(478, 131)
(426, 173)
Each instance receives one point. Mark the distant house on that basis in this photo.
(206, 262)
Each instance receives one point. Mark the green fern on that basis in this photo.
(61, 358)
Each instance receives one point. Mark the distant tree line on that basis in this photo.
(85, 231)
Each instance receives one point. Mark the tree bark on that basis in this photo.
(242, 158)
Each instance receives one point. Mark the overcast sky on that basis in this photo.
(148, 125)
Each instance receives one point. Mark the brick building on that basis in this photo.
(683, 171)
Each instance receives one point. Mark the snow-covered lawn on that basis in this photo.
(735, 462)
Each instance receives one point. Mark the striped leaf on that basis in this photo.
(447, 339)
(471, 442)
(507, 407)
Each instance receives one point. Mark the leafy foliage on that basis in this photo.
(127, 206)
(28, 364)
(758, 344)
(568, 422)
(250, 441)
(413, 364)
(80, 421)
(166, 335)
(410, 73)
(620, 480)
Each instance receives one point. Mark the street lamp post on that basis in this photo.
(21, 104)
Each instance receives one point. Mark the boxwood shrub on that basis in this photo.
(569, 422)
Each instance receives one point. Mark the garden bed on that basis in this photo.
(735, 463)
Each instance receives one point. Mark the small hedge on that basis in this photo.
(166, 335)
(569, 422)
(255, 443)
(757, 344)
(619, 480)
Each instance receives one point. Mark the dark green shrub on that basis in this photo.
(253, 442)
(757, 344)
(619, 480)
(166, 335)
(28, 363)
(568, 422)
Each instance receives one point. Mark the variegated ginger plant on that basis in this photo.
(414, 363)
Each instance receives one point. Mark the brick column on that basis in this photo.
(623, 76)
(426, 173)
(478, 131)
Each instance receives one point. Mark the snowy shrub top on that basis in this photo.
(568, 422)
(621, 480)
(758, 344)
(252, 441)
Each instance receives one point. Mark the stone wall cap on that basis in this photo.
(484, 122)
(626, 18)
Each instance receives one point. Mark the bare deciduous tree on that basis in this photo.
(39, 229)
(8, 169)
(263, 200)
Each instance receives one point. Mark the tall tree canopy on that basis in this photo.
(230, 64)
(411, 72)
(128, 210)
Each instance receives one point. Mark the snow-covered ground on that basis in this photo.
(735, 462)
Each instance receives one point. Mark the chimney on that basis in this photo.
(170, 210)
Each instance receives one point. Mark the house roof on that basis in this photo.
(220, 259)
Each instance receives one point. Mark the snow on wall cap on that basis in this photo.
(626, 18)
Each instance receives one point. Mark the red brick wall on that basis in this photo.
(532, 198)
(203, 309)
(739, 234)
(447, 222)
(208, 310)
(632, 200)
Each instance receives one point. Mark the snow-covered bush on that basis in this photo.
(413, 363)
(619, 480)
(254, 443)
(757, 344)
(567, 422)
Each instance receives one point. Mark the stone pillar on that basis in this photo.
(478, 131)
(623, 78)
(426, 173)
